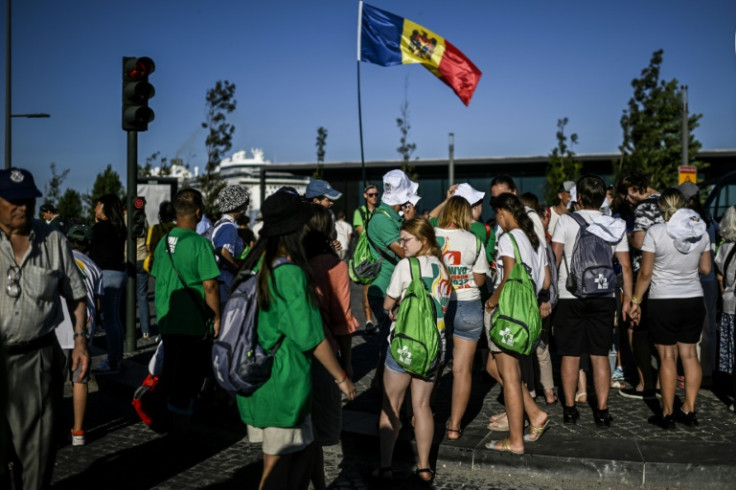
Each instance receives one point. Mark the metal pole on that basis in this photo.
(685, 132)
(8, 51)
(451, 176)
(130, 263)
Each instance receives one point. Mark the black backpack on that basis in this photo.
(590, 273)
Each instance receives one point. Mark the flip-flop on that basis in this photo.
(536, 431)
(497, 416)
(491, 446)
(500, 424)
(581, 397)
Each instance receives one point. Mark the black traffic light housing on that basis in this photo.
(136, 92)
(139, 217)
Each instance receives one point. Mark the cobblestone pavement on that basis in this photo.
(123, 453)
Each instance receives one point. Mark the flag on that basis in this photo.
(387, 40)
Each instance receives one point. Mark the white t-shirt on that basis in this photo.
(553, 218)
(675, 274)
(463, 258)
(538, 229)
(566, 233)
(729, 276)
(92, 280)
(344, 230)
(534, 261)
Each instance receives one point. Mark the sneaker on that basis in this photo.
(602, 418)
(665, 422)
(617, 374)
(78, 438)
(370, 328)
(688, 418)
(146, 335)
(570, 415)
(106, 368)
(637, 395)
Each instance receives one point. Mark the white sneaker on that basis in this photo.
(78, 438)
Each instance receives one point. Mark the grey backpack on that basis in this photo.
(240, 364)
(590, 273)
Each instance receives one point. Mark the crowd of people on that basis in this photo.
(618, 273)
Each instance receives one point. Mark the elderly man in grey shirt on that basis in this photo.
(39, 270)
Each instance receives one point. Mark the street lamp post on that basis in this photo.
(7, 84)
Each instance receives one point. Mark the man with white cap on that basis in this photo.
(383, 234)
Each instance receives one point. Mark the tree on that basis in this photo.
(164, 169)
(220, 101)
(107, 182)
(321, 143)
(405, 148)
(70, 207)
(652, 128)
(52, 190)
(561, 165)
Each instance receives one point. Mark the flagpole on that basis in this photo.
(360, 112)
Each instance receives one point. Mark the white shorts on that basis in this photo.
(283, 440)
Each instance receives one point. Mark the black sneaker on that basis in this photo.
(637, 395)
(370, 328)
(602, 418)
(665, 422)
(570, 415)
(688, 418)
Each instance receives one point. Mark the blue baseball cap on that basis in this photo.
(322, 188)
(17, 184)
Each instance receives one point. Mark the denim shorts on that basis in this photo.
(393, 366)
(464, 319)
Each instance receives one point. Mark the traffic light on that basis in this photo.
(136, 92)
(139, 217)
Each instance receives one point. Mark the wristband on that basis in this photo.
(635, 300)
(544, 295)
(344, 378)
(80, 334)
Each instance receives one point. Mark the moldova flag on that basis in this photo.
(387, 39)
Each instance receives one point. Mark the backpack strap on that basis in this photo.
(583, 226)
(383, 254)
(517, 254)
(416, 271)
(726, 264)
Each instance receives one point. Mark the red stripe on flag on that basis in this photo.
(459, 72)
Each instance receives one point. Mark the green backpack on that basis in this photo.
(415, 341)
(363, 268)
(516, 323)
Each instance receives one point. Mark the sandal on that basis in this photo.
(421, 472)
(536, 431)
(617, 385)
(499, 423)
(504, 447)
(581, 397)
(459, 433)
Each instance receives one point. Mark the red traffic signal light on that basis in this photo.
(136, 92)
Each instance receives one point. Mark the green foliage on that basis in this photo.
(151, 163)
(52, 190)
(405, 148)
(107, 182)
(220, 101)
(652, 128)
(561, 165)
(70, 207)
(321, 143)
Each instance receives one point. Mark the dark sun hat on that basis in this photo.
(284, 212)
(17, 184)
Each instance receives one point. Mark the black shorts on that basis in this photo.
(584, 326)
(676, 320)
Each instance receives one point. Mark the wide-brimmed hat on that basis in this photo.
(467, 192)
(17, 184)
(80, 233)
(233, 197)
(284, 212)
(397, 188)
(317, 188)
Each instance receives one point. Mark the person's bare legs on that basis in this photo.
(513, 399)
(394, 389)
(423, 420)
(569, 369)
(667, 376)
(545, 373)
(79, 399)
(462, 366)
(601, 379)
(492, 370)
(693, 374)
(581, 393)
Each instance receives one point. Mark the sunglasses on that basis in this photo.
(372, 194)
(13, 287)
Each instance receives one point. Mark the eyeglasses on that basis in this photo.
(372, 194)
(13, 287)
(405, 240)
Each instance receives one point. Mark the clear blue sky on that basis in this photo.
(294, 65)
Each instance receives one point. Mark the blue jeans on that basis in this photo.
(141, 288)
(113, 284)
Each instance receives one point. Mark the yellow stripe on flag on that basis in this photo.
(420, 45)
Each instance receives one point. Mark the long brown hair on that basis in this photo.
(509, 202)
(420, 228)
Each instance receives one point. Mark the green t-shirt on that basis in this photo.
(285, 399)
(194, 258)
(361, 215)
(383, 230)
